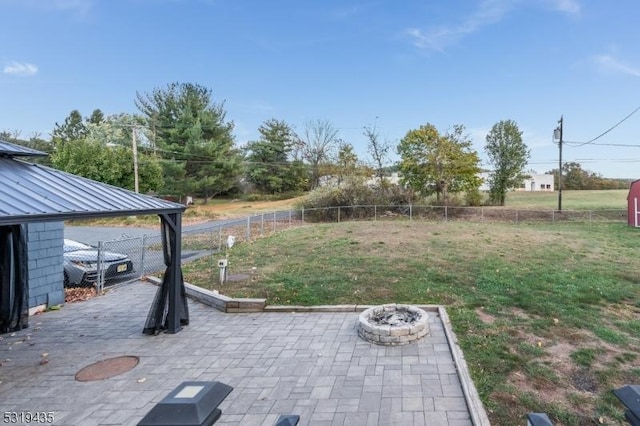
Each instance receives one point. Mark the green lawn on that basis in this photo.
(547, 315)
(571, 200)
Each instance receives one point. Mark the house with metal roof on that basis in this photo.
(35, 201)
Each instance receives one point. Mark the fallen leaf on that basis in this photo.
(78, 294)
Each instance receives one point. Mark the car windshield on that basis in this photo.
(70, 245)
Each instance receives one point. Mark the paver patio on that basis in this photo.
(310, 364)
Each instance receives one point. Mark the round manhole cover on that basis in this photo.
(107, 368)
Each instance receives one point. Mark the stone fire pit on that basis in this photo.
(393, 324)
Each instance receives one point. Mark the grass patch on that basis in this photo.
(571, 200)
(584, 357)
(553, 293)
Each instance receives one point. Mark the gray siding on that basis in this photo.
(45, 242)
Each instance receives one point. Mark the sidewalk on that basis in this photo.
(310, 364)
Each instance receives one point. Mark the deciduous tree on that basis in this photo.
(379, 151)
(320, 141)
(105, 154)
(441, 164)
(347, 162)
(508, 156)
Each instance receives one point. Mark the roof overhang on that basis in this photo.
(35, 193)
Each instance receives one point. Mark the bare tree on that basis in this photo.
(378, 150)
(320, 142)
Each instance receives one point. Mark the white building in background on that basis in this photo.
(535, 182)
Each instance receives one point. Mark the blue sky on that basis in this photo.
(397, 64)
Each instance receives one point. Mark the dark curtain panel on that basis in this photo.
(169, 311)
(14, 292)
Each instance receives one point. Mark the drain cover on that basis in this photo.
(107, 368)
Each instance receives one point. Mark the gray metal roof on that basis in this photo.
(8, 149)
(35, 193)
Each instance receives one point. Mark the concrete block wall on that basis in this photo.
(45, 241)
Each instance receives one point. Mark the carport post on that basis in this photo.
(175, 272)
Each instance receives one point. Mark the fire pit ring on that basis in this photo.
(393, 324)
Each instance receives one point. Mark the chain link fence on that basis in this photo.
(143, 255)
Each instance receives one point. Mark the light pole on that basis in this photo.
(557, 134)
(135, 159)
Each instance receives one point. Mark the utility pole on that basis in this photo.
(135, 159)
(557, 134)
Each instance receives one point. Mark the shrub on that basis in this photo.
(321, 204)
(251, 197)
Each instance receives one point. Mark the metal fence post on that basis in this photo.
(100, 277)
(142, 255)
(410, 211)
(248, 234)
(553, 216)
(303, 215)
(338, 214)
(274, 221)
(289, 218)
(375, 212)
(446, 214)
(262, 224)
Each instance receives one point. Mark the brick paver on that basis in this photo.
(310, 364)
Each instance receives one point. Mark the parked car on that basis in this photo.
(81, 264)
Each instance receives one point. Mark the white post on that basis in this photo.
(135, 159)
(635, 211)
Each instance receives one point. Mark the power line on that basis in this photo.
(609, 129)
(606, 144)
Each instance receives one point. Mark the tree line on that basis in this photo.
(185, 145)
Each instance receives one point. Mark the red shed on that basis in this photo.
(633, 204)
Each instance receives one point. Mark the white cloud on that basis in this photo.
(489, 12)
(572, 7)
(20, 68)
(610, 63)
